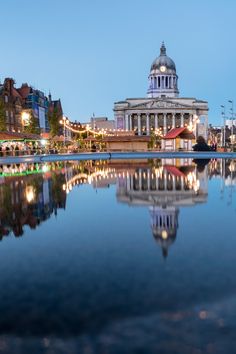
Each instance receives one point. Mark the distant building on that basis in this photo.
(99, 123)
(162, 109)
(230, 122)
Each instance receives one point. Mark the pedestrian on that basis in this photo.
(94, 148)
(17, 150)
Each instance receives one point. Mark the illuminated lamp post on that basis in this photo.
(232, 117)
(64, 121)
(223, 134)
(25, 118)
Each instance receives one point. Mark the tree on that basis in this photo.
(54, 121)
(33, 126)
(3, 122)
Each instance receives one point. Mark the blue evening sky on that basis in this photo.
(93, 53)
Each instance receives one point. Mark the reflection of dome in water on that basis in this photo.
(164, 226)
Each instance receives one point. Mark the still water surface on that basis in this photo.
(118, 257)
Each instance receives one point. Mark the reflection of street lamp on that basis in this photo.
(223, 115)
(30, 194)
(232, 117)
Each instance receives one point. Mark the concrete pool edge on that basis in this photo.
(116, 156)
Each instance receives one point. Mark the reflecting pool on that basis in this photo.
(118, 257)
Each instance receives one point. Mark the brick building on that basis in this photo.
(26, 99)
(13, 105)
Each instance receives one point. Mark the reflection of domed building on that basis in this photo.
(164, 225)
(164, 190)
(162, 109)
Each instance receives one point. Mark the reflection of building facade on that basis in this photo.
(164, 190)
(37, 103)
(30, 194)
(163, 109)
(28, 199)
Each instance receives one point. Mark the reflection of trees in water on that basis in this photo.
(58, 195)
(29, 200)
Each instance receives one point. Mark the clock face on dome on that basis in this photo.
(163, 68)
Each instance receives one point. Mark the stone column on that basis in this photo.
(139, 124)
(126, 122)
(130, 122)
(165, 125)
(156, 121)
(147, 124)
(173, 120)
(190, 119)
(182, 120)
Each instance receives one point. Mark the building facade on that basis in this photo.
(36, 102)
(26, 99)
(13, 104)
(162, 109)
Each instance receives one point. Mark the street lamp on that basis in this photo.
(25, 116)
(223, 115)
(63, 121)
(232, 117)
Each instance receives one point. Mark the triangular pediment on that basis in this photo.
(161, 103)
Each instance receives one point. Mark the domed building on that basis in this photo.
(162, 109)
(163, 80)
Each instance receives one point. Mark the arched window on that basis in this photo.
(167, 82)
(159, 82)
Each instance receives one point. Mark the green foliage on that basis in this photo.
(33, 126)
(152, 142)
(3, 122)
(54, 122)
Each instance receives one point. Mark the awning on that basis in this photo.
(182, 132)
(11, 136)
(173, 170)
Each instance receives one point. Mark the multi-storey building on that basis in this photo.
(162, 109)
(26, 99)
(35, 101)
(13, 105)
